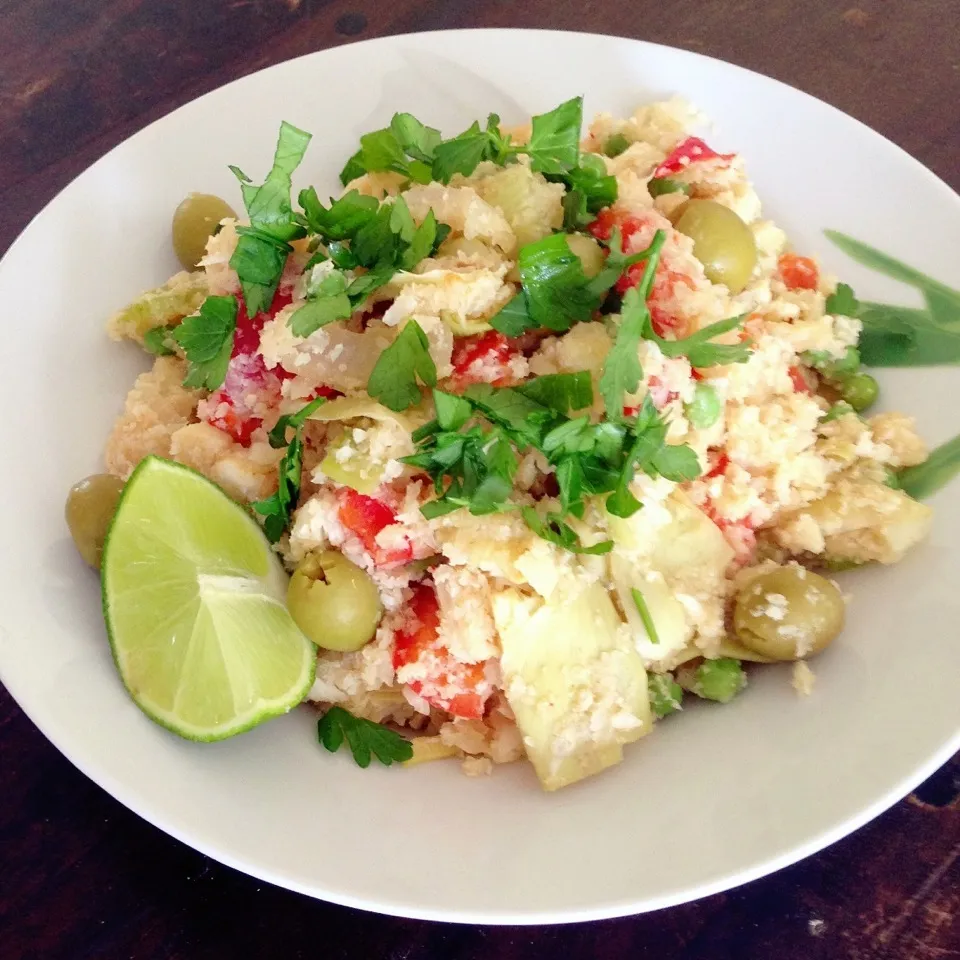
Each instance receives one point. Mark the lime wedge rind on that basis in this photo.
(222, 655)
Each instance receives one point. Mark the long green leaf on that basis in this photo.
(936, 471)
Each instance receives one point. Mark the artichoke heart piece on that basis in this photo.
(574, 680)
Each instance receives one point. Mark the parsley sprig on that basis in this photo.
(365, 738)
(276, 509)
(471, 451)
(556, 293)
(357, 231)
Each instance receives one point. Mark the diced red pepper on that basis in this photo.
(798, 273)
(689, 151)
(607, 220)
(421, 635)
(229, 421)
(365, 517)
(799, 381)
(719, 462)
(482, 358)
(664, 282)
(420, 639)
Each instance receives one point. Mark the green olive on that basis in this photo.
(860, 391)
(194, 222)
(722, 242)
(333, 601)
(788, 613)
(91, 505)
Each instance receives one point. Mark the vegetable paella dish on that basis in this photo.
(526, 437)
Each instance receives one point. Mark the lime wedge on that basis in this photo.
(194, 602)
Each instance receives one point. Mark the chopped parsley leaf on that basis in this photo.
(276, 509)
(365, 738)
(394, 378)
(207, 341)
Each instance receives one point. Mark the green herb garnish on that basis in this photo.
(263, 246)
(277, 508)
(644, 612)
(365, 738)
(936, 471)
(158, 340)
(207, 341)
(658, 186)
(394, 378)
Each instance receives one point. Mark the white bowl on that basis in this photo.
(718, 795)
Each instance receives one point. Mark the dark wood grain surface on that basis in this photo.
(81, 876)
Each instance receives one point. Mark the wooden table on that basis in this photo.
(81, 876)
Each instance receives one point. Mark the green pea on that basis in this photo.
(615, 145)
(705, 408)
(838, 410)
(834, 368)
(860, 391)
(194, 222)
(719, 680)
(722, 242)
(665, 694)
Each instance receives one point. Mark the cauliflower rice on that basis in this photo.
(496, 644)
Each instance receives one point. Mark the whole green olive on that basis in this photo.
(788, 613)
(194, 222)
(722, 242)
(91, 504)
(333, 601)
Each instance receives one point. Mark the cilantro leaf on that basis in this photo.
(394, 378)
(207, 341)
(554, 145)
(365, 738)
(401, 220)
(842, 302)
(325, 304)
(276, 509)
(561, 392)
(552, 528)
(157, 341)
